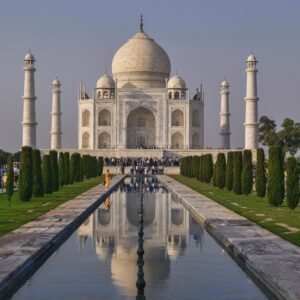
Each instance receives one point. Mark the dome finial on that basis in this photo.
(141, 24)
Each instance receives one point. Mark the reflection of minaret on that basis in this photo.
(29, 123)
(224, 116)
(251, 118)
(56, 116)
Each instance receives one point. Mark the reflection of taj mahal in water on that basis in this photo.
(114, 226)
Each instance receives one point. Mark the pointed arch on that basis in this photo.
(195, 140)
(85, 140)
(177, 141)
(177, 118)
(85, 120)
(104, 140)
(104, 118)
(195, 119)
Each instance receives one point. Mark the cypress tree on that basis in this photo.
(54, 170)
(201, 177)
(204, 168)
(72, 168)
(66, 168)
(275, 188)
(209, 167)
(10, 179)
(94, 165)
(47, 174)
(221, 173)
(260, 178)
(237, 172)
(292, 183)
(82, 169)
(61, 169)
(215, 180)
(194, 166)
(76, 158)
(38, 188)
(247, 172)
(198, 167)
(26, 174)
(229, 171)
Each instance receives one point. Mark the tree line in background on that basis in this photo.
(47, 174)
(237, 173)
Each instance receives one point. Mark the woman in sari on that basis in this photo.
(107, 178)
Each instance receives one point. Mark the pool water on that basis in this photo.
(99, 260)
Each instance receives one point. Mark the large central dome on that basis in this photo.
(142, 63)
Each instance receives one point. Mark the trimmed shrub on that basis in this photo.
(10, 179)
(61, 169)
(229, 171)
(292, 183)
(72, 168)
(66, 168)
(247, 173)
(216, 165)
(54, 170)
(26, 174)
(47, 174)
(275, 188)
(75, 167)
(237, 172)
(209, 167)
(260, 178)
(221, 170)
(38, 188)
(94, 166)
(82, 169)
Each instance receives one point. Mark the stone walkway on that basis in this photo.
(271, 261)
(26, 248)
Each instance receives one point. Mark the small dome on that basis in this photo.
(251, 58)
(176, 82)
(225, 83)
(29, 56)
(105, 82)
(56, 81)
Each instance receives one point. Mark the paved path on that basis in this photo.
(272, 261)
(26, 248)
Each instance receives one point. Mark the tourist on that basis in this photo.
(107, 178)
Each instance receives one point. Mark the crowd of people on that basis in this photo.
(142, 161)
(149, 185)
(3, 175)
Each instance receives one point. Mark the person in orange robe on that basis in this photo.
(107, 178)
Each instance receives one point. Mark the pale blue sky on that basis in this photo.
(206, 41)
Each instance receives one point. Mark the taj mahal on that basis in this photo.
(141, 106)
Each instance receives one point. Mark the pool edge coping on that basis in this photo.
(40, 245)
(254, 265)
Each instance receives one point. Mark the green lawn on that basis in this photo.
(20, 212)
(279, 220)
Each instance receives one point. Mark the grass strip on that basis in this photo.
(20, 212)
(278, 220)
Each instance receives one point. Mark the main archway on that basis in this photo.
(141, 128)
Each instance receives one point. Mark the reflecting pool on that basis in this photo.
(99, 261)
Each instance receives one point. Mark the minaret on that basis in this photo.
(251, 122)
(56, 116)
(224, 116)
(29, 123)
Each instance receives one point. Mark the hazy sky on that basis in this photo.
(205, 40)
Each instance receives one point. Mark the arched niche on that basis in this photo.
(85, 120)
(177, 118)
(86, 140)
(104, 118)
(104, 140)
(177, 141)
